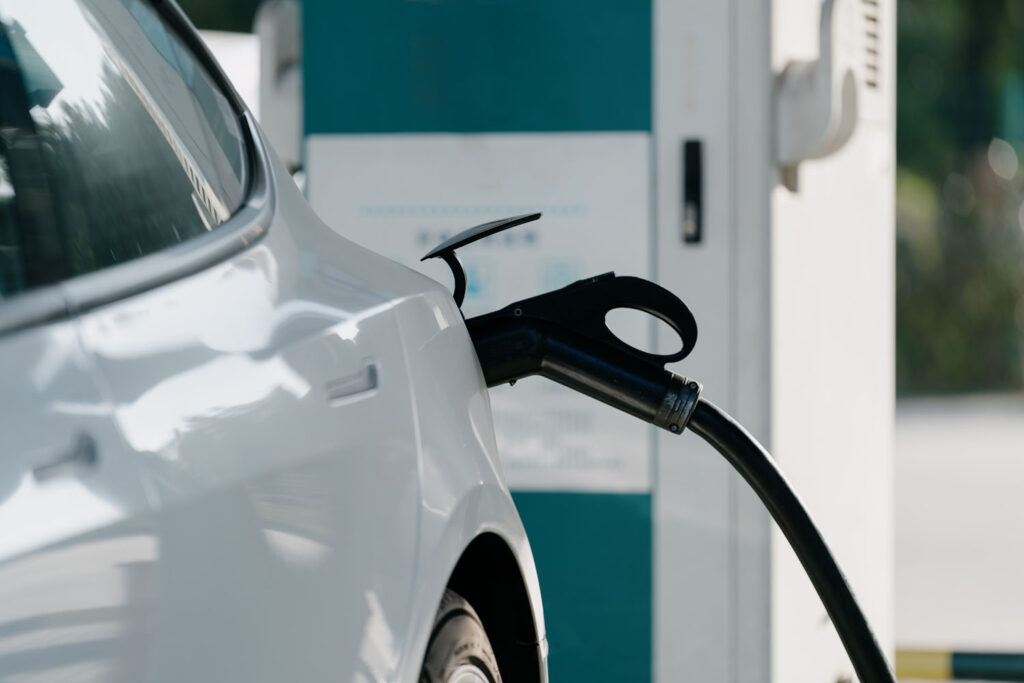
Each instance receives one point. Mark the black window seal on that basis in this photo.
(247, 225)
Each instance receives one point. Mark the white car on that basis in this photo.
(236, 446)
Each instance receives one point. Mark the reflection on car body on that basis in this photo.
(292, 449)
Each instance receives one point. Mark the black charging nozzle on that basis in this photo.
(562, 335)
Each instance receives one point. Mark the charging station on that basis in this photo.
(739, 153)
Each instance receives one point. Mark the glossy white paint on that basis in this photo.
(69, 547)
(294, 447)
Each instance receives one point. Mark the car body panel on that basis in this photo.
(267, 402)
(294, 448)
(462, 496)
(250, 474)
(69, 499)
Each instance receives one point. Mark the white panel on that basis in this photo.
(753, 176)
(832, 361)
(401, 195)
(711, 618)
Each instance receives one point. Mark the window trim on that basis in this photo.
(247, 225)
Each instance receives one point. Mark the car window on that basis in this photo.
(12, 276)
(114, 141)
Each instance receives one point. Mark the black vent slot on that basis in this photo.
(871, 42)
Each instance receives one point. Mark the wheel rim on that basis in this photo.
(467, 674)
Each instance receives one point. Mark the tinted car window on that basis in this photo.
(114, 141)
(12, 277)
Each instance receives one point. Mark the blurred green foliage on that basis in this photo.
(959, 192)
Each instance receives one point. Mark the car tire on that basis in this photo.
(458, 650)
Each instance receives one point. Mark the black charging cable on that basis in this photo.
(758, 468)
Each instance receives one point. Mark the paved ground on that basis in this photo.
(959, 481)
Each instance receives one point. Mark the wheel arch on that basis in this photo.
(488, 575)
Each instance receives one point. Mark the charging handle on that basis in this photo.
(582, 307)
(562, 335)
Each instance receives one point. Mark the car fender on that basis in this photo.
(463, 489)
(446, 544)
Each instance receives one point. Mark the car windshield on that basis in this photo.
(114, 141)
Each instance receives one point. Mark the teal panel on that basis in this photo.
(988, 666)
(593, 554)
(405, 66)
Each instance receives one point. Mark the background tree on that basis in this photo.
(960, 252)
